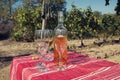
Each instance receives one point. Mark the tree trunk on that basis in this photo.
(43, 24)
(82, 44)
(10, 6)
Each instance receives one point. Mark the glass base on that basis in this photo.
(61, 68)
(42, 67)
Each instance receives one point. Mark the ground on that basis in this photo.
(10, 49)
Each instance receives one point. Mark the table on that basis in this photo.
(80, 67)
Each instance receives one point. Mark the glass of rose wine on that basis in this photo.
(44, 49)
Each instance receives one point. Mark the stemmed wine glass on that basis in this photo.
(44, 49)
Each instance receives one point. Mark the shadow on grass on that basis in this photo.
(9, 58)
(4, 36)
(5, 61)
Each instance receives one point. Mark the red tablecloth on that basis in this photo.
(80, 67)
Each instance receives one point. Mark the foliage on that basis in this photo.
(74, 22)
(28, 19)
(107, 25)
(6, 8)
(50, 9)
(117, 8)
(80, 23)
(83, 24)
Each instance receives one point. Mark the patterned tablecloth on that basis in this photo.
(80, 67)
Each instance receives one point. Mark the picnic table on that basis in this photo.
(79, 67)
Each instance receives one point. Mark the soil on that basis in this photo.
(9, 49)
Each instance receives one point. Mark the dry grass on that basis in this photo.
(8, 48)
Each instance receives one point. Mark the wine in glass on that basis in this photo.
(44, 46)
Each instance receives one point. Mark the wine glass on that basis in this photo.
(44, 49)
